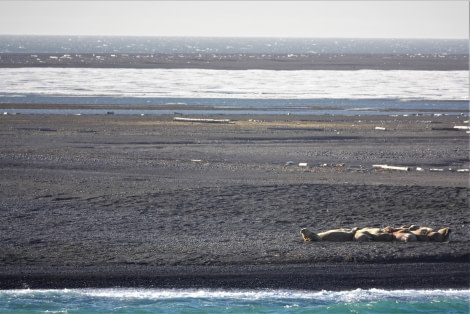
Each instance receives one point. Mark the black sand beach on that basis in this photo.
(110, 200)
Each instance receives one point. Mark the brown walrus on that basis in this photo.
(427, 233)
(373, 234)
(405, 236)
(335, 235)
(442, 235)
(421, 233)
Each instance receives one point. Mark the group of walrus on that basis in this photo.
(387, 234)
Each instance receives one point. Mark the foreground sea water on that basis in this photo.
(123, 300)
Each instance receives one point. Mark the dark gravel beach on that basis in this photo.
(110, 200)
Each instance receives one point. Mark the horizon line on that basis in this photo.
(239, 37)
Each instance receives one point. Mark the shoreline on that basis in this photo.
(144, 201)
(238, 113)
(229, 111)
(315, 277)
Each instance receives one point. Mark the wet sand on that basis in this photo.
(111, 200)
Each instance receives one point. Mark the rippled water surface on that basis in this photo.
(233, 301)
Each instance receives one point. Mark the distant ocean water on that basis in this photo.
(173, 45)
(121, 300)
(200, 91)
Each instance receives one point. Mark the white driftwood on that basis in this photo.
(392, 167)
(379, 128)
(462, 127)
(181, 119)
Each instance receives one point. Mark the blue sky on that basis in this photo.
(354, 19)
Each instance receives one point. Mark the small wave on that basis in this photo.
(348, 296)
(215, 300)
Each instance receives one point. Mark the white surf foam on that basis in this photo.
(348, 296)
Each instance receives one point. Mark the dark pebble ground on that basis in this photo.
(105, 201)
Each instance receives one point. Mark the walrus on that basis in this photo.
(405, 236)
(421, 233)
(334, 235)
(373, 234)
(415, 229)
(441, 235)
(426, 233)
(410, 234)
